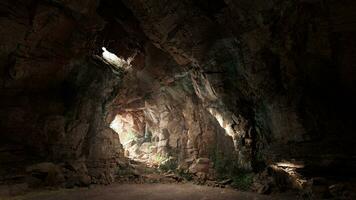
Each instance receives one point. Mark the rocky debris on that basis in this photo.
(140, 173)
(263, 183)
(201, 165)
(14, 189)
(287, 175)
(76, 174)
(341, 191)
(225, 182)
(323, 188)
(336, 190)
(44, 174)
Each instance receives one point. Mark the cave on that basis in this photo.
(215, 99)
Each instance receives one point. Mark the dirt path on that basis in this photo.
(148, 192)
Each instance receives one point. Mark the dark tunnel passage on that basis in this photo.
(256, 96)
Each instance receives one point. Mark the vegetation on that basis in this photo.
(225, 169)
(222, 163)
(184, 174)
(158, 159)
(242, 180)
(169, 165)
(123, 171)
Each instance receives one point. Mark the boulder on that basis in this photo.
(76, 174)
(44, 174)
(203, 161)
(200, 165)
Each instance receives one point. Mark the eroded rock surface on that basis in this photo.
(216, 89)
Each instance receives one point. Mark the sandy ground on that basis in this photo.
(146, 192)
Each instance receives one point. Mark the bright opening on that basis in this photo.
(116, 61)
(139, 142)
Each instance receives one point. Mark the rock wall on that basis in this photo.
(160, 101)
(265, 82)
(53, 93)
(278, 64)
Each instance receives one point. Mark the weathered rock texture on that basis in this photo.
(259, 83)
(277, 64)
(53, 95)
(161, 102)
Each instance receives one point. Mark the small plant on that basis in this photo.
(243, 180)
(226, 169)
(185, 175)
(158, 159)
(169, 165)
(123, 171)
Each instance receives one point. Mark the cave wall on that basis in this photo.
(278, 63)
(160, 100)
(270, 81)
(53, 93)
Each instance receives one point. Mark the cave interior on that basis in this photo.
(251, 94)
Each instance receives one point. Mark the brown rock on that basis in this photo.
(47, 174)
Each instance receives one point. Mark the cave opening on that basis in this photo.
(137, 140)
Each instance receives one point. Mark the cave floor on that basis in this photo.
(147, 192)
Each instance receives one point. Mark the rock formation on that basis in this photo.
(217, 88)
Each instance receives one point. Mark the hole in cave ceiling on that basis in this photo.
(117, 62)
